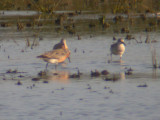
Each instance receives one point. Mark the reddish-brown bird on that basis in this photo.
(58, 55)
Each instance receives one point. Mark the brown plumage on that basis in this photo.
(56, 56)
(60, 45)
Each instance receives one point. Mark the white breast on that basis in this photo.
(54, 61)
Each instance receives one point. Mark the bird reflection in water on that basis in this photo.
(154, 74)
(58, 76)
(121, 62)
(122, 76)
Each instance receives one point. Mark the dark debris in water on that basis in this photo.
(21, 76)
(104, 72)
(55, 73)
(129, 71)
(144, 85)
(112, 78)
(111, 91)
(12, 71)
(45, 81)
(80, 99)
(42, 73)
(76, 75)
(89, 86)
(19, 83)
(96, 73)
(105, 87)
(30, 87)
(36, 79)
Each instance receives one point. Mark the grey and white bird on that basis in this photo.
(118, 48)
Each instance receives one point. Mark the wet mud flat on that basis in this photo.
(90, 87)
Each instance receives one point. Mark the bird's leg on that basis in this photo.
(120, 58)
(111, 56)
(56, 66)
(69, 59)
(110, 59)
(46, 65)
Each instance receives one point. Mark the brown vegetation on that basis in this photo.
(114, 6)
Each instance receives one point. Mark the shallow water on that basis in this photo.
(56, 96)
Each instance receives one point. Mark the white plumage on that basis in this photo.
(118, 48)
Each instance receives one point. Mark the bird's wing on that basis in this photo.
(114, 46)
(57, 54)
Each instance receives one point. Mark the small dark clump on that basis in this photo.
(129, 71)
(112, 78)
(145, 85)
(20, 76)
(19, 83)
(75, 75)
(35, 79)
(95, 74)
(104, 72)
(42, 73)
(11, 71)
(45, 81)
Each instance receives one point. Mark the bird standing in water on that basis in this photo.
(118, 48)
(57, 55)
